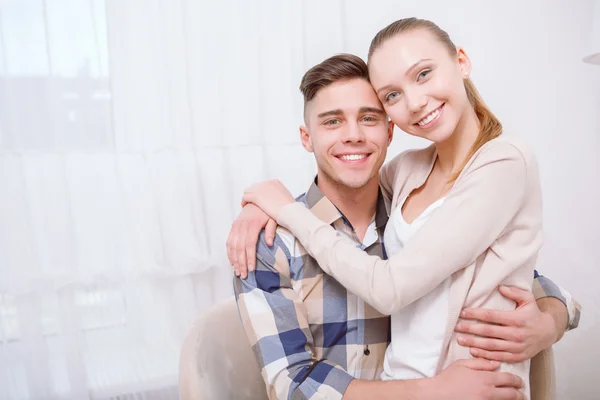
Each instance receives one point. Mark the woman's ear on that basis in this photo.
(464, 62)
(306, 139)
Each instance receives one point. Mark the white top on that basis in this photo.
(417, 330)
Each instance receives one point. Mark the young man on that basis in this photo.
(315, 340)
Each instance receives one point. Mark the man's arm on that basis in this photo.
(276, 323)
(464, 379)
(545, 288)
(539, 320)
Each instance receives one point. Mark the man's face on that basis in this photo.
(348, 132)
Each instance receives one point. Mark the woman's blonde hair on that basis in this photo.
(489, 125)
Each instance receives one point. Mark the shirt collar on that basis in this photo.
(327, 212)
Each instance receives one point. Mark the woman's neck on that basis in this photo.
(452, 153)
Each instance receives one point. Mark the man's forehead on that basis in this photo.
(348, 97)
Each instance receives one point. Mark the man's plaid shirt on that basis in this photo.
(310, 335)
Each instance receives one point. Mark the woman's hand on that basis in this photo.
(271, 196)
(243, 237)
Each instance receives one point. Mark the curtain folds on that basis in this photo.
(128, 131)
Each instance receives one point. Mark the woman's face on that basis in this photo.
(420, 84)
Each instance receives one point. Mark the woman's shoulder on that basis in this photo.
(406, 164)
(501, 157)
(503, 148)
(414, 157)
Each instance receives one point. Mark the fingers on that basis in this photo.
(250, 254)
(507, 394)
(230, 251)
(241, 266)
(270, 231)
(252, 235)
(479, 364)
(488, 331)
(492, 316)
(520, 296)
(508, 380)
(243, 239)
(501, 356)
(488, 344)
(246, 198)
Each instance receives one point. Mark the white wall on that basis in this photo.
(527, 64)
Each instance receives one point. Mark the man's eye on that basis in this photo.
(332, 122)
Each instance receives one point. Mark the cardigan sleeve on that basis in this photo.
(475, 214)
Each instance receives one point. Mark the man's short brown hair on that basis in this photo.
(340, 67)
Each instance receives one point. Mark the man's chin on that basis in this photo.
(354, 184)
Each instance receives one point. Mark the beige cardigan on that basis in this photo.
(487, 232)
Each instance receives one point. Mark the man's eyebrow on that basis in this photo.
(375, 110)
(330, 113)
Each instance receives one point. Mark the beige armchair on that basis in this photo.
(217, 362)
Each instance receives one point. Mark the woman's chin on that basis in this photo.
(440, 135)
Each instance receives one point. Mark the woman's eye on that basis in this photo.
(391, 96)
(423, 74)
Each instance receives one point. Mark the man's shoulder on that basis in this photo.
(284, 241)
(285, 256)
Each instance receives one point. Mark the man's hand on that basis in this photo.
(509, 336)
(243, 237)
(474, 380)
(463, 380)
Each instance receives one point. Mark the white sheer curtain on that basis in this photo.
(128, 130)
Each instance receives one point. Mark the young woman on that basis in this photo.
(467, 212)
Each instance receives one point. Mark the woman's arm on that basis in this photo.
(473, 216)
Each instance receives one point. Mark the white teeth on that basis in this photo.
(429, 118)
(353, 157)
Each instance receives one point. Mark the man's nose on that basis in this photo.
(354, 133)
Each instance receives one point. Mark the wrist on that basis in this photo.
(555, 317)
(282, 208)
(553, 327)
(426, 389)
(411, 389)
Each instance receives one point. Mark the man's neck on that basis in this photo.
(357, 205)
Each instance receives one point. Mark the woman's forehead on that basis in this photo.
(399, 53)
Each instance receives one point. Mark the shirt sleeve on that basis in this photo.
(479, 209)
(545, 287)
(276, 323)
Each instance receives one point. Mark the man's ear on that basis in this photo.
(306, 139)
(390, 131)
